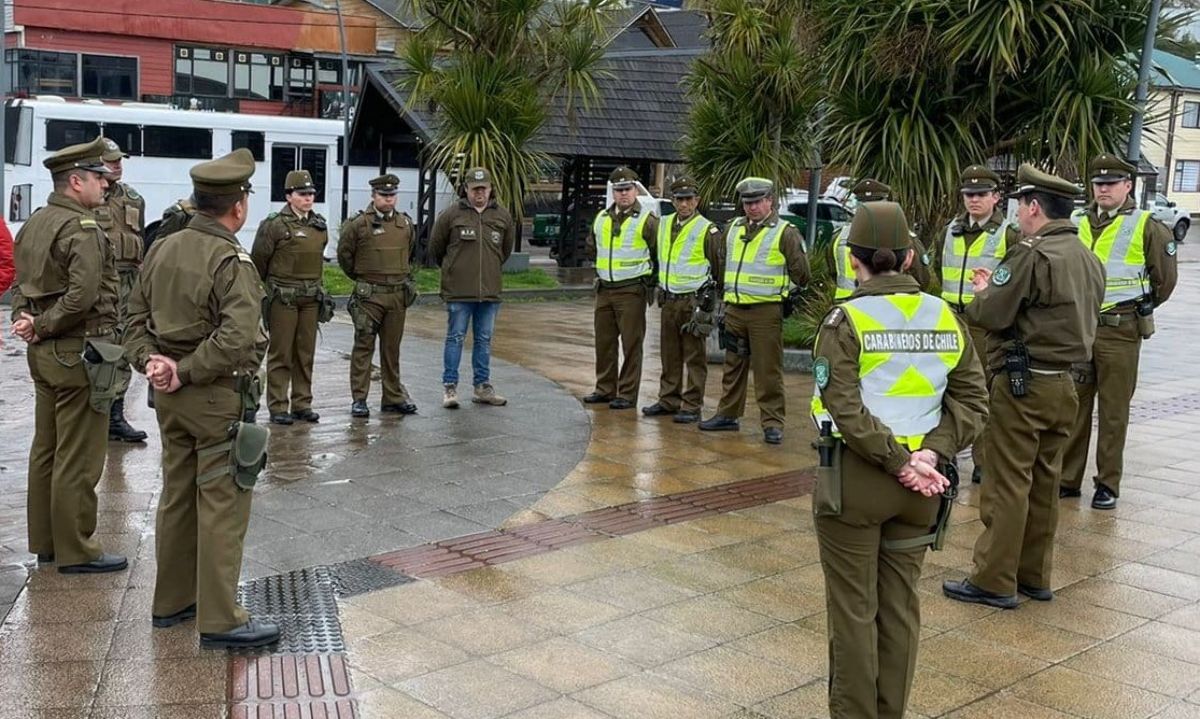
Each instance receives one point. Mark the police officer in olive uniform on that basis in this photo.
(65, 308)
(195, 331)
(869, 190)
(894, 415)
(762, 252)
(289, 252)
(978, 237)
(623, 245)
(1040, 308)
(1138, 254)
(123, 219)
(375, 249)
(174, 218)
(689, 246)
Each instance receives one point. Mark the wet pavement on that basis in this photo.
(618, 566)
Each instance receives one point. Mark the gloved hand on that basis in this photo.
(701, 324)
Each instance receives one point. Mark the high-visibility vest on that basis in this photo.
(908, 344)
(1121, 248)
(682, 265)
(846, 281)
(958, 260)
(755, 271)
(624, 254)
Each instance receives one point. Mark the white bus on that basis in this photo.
(164, 143)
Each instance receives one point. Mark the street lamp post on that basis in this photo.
(345, 114)
(1134, 154)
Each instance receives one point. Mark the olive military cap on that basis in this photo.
(755, 188)
(622, 177)
(478, 177)
(85, 156)
(880, 225)
(298, 180)
(228, 175)
(684, 186)
(385, 184)
(1105, 168)
(871, 190)
(1031, 179)
(112, 151)
(978, 178)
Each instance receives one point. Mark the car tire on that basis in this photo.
(1180, 230)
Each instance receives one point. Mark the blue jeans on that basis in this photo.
(482, 315)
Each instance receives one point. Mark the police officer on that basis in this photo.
(623, 244)
(762, 252)
(1040, 308)
(689, 246)
(375, 250)
(471, 241)
(289, 252)
(978, 237)
(901, 411)
(1138, 254)
(195, 331)
(66, 301)
(123, 219)
(174, 218)
(869, 190)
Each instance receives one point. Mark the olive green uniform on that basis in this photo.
(1112, 376)
(289, 255)
(176, 217)
(620, 315)
(871, 588)
(1047, 294)
(679, 348)
(66, 279)
(762, 324)
(199, 302)
(375, 250)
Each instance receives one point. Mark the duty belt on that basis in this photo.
(238, 384)
(385, 289)
(1113, 319)
(300, 288)
(674, 296)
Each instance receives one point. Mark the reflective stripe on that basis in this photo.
(682, 265)
(1121, 248)
(956, 282)
(907, 346)
(846, 280)
(625, 256)
(760, 271)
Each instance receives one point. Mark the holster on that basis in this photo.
(1144, 310)
(410, 292)
(730, 342)
(936, 538)
(101, 362)
(827, 494)
(362, 321)
(247, 450)
(325, 307)
(1083, 373)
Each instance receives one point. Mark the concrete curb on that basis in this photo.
(549, 295)
(794, 361)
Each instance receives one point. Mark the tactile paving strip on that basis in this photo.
(291, 686)
(1150, 411)
(304, 605)
(359, 576)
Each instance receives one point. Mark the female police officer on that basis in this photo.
(899, 391)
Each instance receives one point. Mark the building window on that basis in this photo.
(61, 133)
(300, 76)
(193, 143)
(38, 72)
(252, 141)
(202, 71)
(1191, 114)
(257, 76)
(110, 77)
(1187, 176)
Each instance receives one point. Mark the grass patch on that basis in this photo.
(429, 280)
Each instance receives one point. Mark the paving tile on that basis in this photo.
(413, 603)
(788, 645)
(359, 623)
(1075, 615)
(775, 599)
(935, 693)
(699, 574)
(556, 568)
(476, 690)
(1180, 710)
(564, 665)
(563, 612)
(59, 642)
(643, 696)
(482, 632)
(623, 552)
(1164, 639)
(169, 711)
(1122, 598)
(681, 538)
(1175, 560)
(711, 617)
(388, 702)
(735, 676)
(82, 605)
(1154, 672)
(1004, 705)
(808, 701)
(398, 655)
(963, 656)
(48, 685)
(643, 641)
(1187, 617)
(558, 709)
(1157, 579)
(163, 681)
(1080, 694)
(635, 590)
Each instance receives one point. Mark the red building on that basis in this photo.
(206, 54)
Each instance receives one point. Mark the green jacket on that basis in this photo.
(471, 247)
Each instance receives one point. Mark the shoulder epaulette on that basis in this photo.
(89, 223)
(272, 215)
(245, 257)
(133, 195)
(834, 318)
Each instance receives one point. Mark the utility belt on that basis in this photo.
(128, 269)
(666, 296)
(287, 295)
(1140, 310)
(245, 442)
(363, 322)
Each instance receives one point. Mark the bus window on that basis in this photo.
(252, 141)
(129, 137)
(283, 161)
(18, 135)
(313, 160)
(61, 133)
(192, 143)
(19, 203)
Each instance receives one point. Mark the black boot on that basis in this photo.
(118, 429)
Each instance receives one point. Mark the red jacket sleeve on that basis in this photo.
(8, 270)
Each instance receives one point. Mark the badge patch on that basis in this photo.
(1172, 248)
(925, 259)
(1001, 276)
(495, 237)
(821, 372)
(834, 317)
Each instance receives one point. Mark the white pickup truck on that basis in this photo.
(1166, 212)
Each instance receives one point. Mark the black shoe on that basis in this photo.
(100, 565)
(1104, 498)
(281, 418)
(977, 475)
(597, 398)
(720, 423)
(46, 558)
(773, 435)
(964, 591)
(1041, 595)
(118, 429)
(686, 417)
(254, 633)
(305, 415)
(656, 410)
(171, 620)
(360, 409)
(402, 408)
(620, 403)
(1068, 493)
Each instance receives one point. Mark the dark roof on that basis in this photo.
(640, 115)
(643, 27)
(398, 10)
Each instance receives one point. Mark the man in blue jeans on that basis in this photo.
(471, 241)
